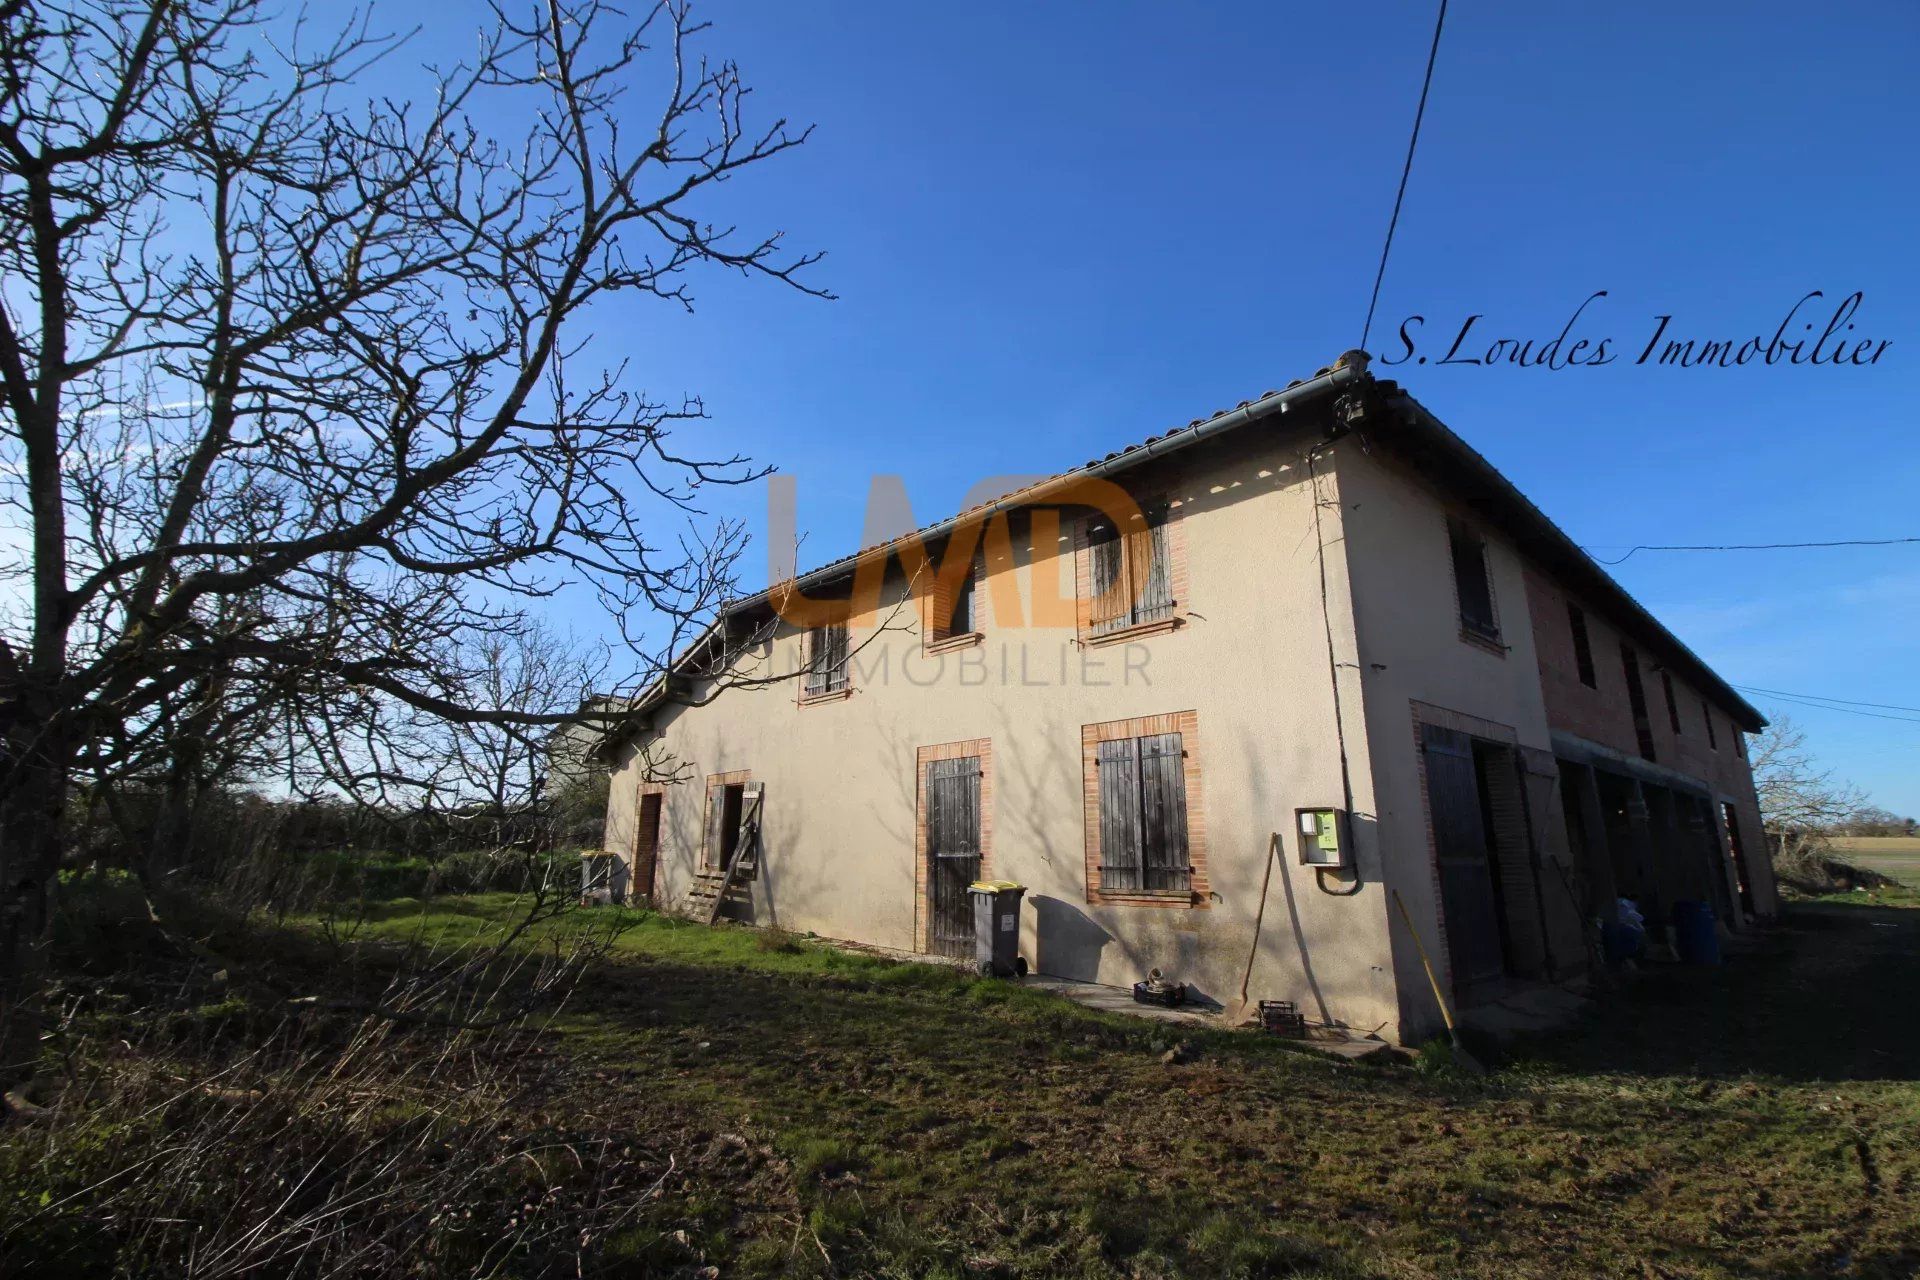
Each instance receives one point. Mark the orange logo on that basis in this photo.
(1050, 511)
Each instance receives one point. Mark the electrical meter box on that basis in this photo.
(1322, 834)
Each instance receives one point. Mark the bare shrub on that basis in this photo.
(392, 1123)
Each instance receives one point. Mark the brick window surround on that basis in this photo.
(1187, 725)
(1178, 581)
(739, 777)
(983, 748)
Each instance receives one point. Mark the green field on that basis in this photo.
(1896, 856)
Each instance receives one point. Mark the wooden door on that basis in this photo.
(646, 848)
(953, 853)
(1469, 909)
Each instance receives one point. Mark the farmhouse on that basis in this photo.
(1215, 698)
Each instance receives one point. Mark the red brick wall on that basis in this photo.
(1603, 714)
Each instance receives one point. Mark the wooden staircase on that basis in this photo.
(711, 889)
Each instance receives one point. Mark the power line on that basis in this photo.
(1851, 711)
(1820, 697)
(1761, 546)
(1405, 169)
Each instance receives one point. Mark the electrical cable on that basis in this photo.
(1760, 546)
(1333, 675)
(1821, 697)
(1823, 706)
(1419, 113)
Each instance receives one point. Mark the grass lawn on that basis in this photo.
(871, 1117)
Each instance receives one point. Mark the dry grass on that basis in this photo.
(1895, 856)
(800, 1111)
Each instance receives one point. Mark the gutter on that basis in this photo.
(1350, 368)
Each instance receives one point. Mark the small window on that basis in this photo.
(1471, 584)
(1673, 708)
(1130, 578)
(1582, 645)
(827, 654)
(951, 609)
(1706, 716)
(1143, 815)
(1637, 699)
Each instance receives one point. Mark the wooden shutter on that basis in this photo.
(837, 650)
(1472, 585)
(1563, 914)
(827, 658)
(953, 807)
(816, 660)
(1163, 813)
(1519, 887)
(1153, 569)
(716, 815)
(1460, 848)
(1120, 834)
(1109, 599)
(747, 837)
(939, 619)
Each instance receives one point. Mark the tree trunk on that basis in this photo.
(32, 812)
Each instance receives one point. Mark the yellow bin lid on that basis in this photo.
(995, 886)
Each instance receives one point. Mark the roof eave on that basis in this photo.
(1548, 544)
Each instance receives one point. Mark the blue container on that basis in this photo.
(1695, 936)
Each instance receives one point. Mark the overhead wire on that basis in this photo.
(1406, 169)
(1758, 546)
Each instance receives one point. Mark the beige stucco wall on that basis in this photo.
(1410, 648)
(1251, 661)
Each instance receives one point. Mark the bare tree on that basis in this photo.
(497, 773)
(297, 403)
(1800, 803)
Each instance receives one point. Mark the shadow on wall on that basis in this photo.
(1067, 941)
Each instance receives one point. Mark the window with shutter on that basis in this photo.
(1472, 586)
(827, 660)
(1582, 646)
(1131, 572)
(1143, 816)
(950, 609)
(1637, 699)
(1145, 826)
(960, 618)
(1673, 708)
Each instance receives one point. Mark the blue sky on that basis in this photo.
(1055, 228)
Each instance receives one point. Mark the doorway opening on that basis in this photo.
(646, 847)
